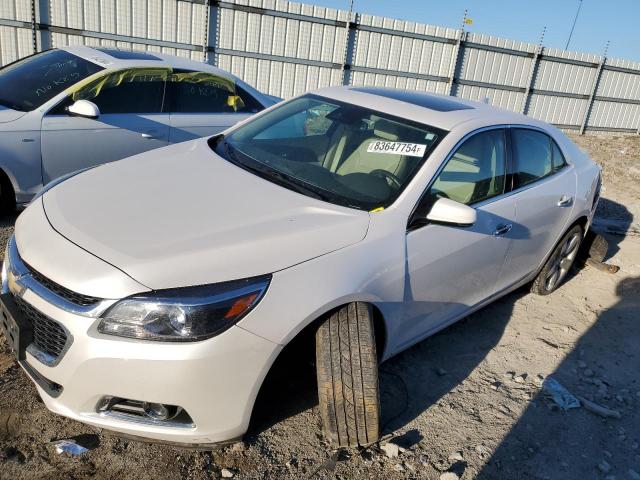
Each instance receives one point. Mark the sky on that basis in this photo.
(617, 21)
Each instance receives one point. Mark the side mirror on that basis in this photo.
(84, 108)
(452, 213)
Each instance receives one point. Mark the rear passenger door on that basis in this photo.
(544, 187)
(203, 104)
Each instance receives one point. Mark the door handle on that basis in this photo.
(147, 135)
(565, 201)
(502, 229)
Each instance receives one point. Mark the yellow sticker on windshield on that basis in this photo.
(397, 148)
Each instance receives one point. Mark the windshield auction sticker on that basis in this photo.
(397, 148)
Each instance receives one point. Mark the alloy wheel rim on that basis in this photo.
(563, 262)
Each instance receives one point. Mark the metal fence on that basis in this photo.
(286, 48)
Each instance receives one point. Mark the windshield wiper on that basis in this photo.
(12, 106)
(273, 175)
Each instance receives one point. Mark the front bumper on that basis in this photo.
(215, 381)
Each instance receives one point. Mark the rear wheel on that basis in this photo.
(347, 371)
(559, 264)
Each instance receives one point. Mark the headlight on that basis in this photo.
(184, 314)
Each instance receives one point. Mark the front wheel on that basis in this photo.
(347, 371)
(559, 263)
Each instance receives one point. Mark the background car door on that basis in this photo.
(544, 192)
(130, 122)
(450, 269)
(203, 104)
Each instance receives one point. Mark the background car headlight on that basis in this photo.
(184, 314)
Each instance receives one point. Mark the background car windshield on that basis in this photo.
(343, 153)
(29, 83)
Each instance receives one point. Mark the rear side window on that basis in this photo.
(475, 172)
(533, 156)
(202, 92)
(558, 159)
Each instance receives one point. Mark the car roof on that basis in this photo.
(439, 111)
(116, 59)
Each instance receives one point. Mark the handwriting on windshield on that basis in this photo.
(55, 84)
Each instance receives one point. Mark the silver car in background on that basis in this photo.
(71, 108)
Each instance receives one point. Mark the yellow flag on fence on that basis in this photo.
(468, 21)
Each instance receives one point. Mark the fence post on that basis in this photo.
(456, 64)
(535, 63)
(211, 33)
(594, 90)
(350, 48)
(40, 21)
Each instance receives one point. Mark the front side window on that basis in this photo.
(135, 91)
(533, 157)
(202, 92)
(31, 82)
(338, 152)
(475, 172)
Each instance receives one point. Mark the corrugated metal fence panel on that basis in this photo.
(558, 110)
(397, 52)
(566, 77)
(15, 42)
(614, 115)
(394, 81)
(497, 67)
(620, 84)
(266, 35)
(166, 20)
(493, 96)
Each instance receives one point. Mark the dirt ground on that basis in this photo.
(466, 403)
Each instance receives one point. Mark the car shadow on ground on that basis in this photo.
(613, 220)
(549, 443)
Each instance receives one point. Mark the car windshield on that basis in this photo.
(338, 152)
(29, 83)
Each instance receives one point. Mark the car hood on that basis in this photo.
(9, 115)
(181, 216)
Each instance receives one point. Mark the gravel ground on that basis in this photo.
(466, 403)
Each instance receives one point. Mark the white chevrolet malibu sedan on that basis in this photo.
(70, 108)
(152, 295)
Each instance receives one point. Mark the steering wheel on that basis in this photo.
(395, 181)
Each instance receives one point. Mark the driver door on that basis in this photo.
(131, 121)
(451, 269)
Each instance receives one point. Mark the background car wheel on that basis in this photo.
(559, 264)
(7, 195)
(347, 370)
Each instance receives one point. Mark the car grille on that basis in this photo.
(70, 296)
(48, 335)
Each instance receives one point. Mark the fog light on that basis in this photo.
(157, 411)
(146, 412)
